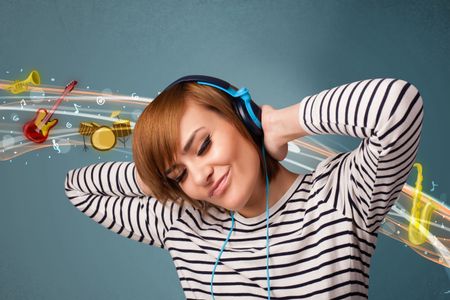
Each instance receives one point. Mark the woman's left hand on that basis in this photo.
(274, 140)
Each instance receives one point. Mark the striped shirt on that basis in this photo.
(323, 231)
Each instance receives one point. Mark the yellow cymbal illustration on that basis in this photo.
(115, 113)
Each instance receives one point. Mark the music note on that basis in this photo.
(56, 146)
(432, 182)
(76, 107)
(22, 103)
(15, 118)
(134, 96)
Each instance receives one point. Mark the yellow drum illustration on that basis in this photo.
(103, 138)
(122, 129)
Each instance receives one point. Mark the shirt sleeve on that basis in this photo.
(108, 193)
(388, 115)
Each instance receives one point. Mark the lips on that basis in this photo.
(219, 184)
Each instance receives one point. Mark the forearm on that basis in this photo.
(363, 109)
(105, 179)
(387, 114)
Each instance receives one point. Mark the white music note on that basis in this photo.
(76, 107)
(434, 185)
(22, 103)
(56, 146)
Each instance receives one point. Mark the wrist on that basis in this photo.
(286, 122)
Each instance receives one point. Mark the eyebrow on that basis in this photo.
(186, 147)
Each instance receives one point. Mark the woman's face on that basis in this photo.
(216, 148)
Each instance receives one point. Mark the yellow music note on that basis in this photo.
(418, 229)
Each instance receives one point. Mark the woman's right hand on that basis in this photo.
(274, 141)
(280, 126)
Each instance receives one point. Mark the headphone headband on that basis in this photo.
(202, 78)
(251, 108)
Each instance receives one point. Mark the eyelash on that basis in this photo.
(202, 150)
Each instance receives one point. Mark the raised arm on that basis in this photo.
(109, 193)
(387, 114)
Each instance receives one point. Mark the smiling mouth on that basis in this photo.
(221, 186)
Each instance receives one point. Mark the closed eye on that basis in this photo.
(206, 143)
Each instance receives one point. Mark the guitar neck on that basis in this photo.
(55, 106)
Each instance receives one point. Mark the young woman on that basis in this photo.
(199, 179)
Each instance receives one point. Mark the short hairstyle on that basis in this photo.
(156, 139)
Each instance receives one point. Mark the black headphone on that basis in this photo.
(247, 110)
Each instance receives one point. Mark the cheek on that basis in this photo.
(245, 173)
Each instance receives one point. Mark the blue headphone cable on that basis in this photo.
(267, 235)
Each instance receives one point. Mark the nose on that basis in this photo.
(201, 173)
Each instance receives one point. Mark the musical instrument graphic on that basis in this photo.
(104, 138)
(87, 129)
(20, 86)
(419, 225)
(37, 129)
(122, 129)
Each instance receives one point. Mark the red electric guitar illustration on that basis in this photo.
(37, 129)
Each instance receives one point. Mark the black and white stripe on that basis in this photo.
(323, 231)
(108, 193)
(388, 115)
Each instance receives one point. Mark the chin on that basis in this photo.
(237, 196)
(235, 202)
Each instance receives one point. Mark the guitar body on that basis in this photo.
(37, 129)
(38, 134)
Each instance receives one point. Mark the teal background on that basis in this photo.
(281, 50)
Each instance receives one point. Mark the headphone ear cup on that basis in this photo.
(255, 131)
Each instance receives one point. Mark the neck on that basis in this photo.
(256, 205)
